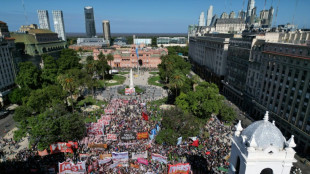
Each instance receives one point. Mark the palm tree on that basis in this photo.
(69, 84)
(195, 80)
(177, 81)
(110, 58)
(101, 64)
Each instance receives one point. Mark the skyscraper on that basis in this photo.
(224, 15)
(202, 19)
(251, 5)
(270, 16)
(214, 18)
(43, 19)
(210, 15)
(106, 30)
(89, 21)
(59, 24)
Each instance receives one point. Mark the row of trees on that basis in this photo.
(45, 96)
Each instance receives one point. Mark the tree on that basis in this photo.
(41, 99)
(28, 76)
(195, 80)
(68, 60)
(17, 95)
(70, 82)
(177, 81)
(110, 58)
(49, 71)
(22, 113)
(203, 102)
(227, 113)
(102, 65)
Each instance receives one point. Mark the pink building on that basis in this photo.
(126, 57)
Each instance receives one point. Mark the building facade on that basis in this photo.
(209, 56)
(106, 30)
(90, 44)
(285, 90)
(210, 15)
(59, 24)
(26, 28)
(145, 41)
(126, 57)
(89, 21)
(171, 41)
(7, 70)
(201, 21)
(225, 25)
(44, 20)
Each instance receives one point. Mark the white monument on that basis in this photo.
(131, 86)
(261, 149)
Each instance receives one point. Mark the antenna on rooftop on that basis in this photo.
(26, 17)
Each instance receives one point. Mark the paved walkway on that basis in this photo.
(151, 92)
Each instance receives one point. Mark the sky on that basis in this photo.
(143, 16)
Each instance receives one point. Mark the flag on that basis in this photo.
(153, 131)
(195, 143)
(208, 153)
(145, 116)
(137, 52)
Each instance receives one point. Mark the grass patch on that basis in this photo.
(118, 78)
(154, 73)
(153, 80)
(123, 73)
(89, 100)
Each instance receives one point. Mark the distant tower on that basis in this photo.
(59, 24)
(106, 30)
(210, 15)
(90, 21)
(270, 16)
(44, 20)
(214, 18)
(232, 15)
(224, 15)
(241, 15)
(261, 149)
(202, 19)
(253, 16)
(251, 5)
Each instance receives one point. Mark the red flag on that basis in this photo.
(208, 153)
(195, 143)
(145, 116)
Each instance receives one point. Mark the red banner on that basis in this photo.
(112, 137)
(63, 147)
(142, 135)
(145, 116)
(95, 128)
(179, 168)
(67, 167)
(129, 91)
(108, 111)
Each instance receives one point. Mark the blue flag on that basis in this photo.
(137, 52)
(153, 131)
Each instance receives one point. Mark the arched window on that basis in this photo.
(238, 165)
(267, 171)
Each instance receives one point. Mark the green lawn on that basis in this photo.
(154, 73)
(89, 100)
(123, 73)
(153, 80)
(119, 78)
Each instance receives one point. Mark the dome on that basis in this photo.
(265, 134)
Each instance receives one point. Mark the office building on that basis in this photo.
(171, 41)
(90, 44)
(144, 41)
(89, 21)
(202, 20)
(209, 55)
(235, 25)
(251, 5)
(213, 21)
(59, 24)
(106, 30)
(210, 15)
(44, 20)
(7, 71)
(120, 41)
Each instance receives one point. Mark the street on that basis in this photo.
(6, 124)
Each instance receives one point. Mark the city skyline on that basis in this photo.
(143, 16)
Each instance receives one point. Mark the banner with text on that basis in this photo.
(112, 137)
(68, 167)
(179, 168)
(159, 158)
(126, 136)
(139, 155)
(143, 135)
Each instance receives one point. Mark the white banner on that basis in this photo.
(159, 158)
(139, 155)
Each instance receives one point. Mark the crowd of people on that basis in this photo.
(210, 157)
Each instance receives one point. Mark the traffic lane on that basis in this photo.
(6, 124)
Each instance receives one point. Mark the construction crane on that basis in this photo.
(26, 17)
(296, 4)
(275, 19)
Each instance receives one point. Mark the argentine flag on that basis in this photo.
(137, 52)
